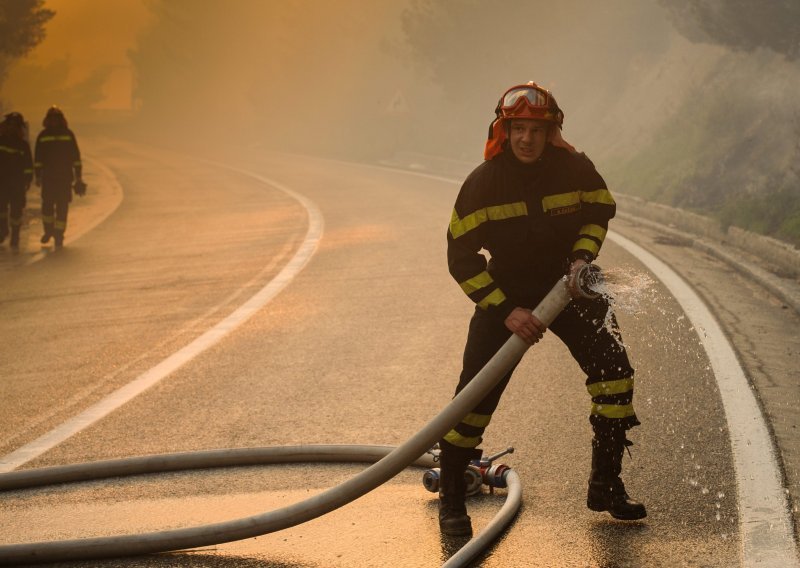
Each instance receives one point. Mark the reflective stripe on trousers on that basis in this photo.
(592, 336)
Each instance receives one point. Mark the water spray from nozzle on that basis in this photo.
(589, 280)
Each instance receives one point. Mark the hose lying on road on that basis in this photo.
(380, 472)
(237, 457)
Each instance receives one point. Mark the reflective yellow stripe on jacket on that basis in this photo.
(59, 138)
(561, 200)
(460, 226)
(598, 196)
(590, 238)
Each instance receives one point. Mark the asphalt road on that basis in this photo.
(362, 346)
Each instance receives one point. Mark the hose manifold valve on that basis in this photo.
(478, 473)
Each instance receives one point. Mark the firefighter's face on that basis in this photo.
(527, 138)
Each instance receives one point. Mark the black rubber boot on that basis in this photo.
(48, 233)
(606, 490)
(453, 518)
(59, 238)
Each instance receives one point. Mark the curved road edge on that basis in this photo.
(765, 523)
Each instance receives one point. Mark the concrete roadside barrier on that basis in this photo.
(773, 264)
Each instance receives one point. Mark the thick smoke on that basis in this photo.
(292, 75)
(685, 102)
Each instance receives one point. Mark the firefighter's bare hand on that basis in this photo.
(572, 281)
(525, 325)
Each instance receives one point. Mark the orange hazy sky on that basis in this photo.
(92, 33)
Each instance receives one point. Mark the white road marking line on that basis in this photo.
(149, 378)
(767, 534)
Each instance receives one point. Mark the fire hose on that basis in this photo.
(390, 462)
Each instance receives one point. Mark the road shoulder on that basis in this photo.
(761, 325)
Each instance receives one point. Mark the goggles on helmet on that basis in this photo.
(530, 101)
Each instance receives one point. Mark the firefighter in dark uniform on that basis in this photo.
(16, 173)
(541, 211)
(57, 164)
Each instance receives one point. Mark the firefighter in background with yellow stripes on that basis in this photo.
(541, 211)
(16, 173)
(57, 165)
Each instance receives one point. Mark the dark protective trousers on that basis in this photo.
(56, 196)
(12, 203)
(590, 332)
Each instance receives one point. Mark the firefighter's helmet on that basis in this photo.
(14, 118)
(14, 124)
(528, 101)
(54, 117)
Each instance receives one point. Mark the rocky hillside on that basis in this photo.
(712, 130)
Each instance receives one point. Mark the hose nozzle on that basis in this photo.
(589, 280)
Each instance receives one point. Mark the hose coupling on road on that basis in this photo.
(478, 473)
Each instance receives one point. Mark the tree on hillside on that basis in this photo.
(739, 24)
(22, 25)
(21, 29)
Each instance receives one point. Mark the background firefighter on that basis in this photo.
(57, 166)
(16, 172)
(541, 210)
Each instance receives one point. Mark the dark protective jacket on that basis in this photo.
(532, 219)
(57, 157)
(16, 165)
